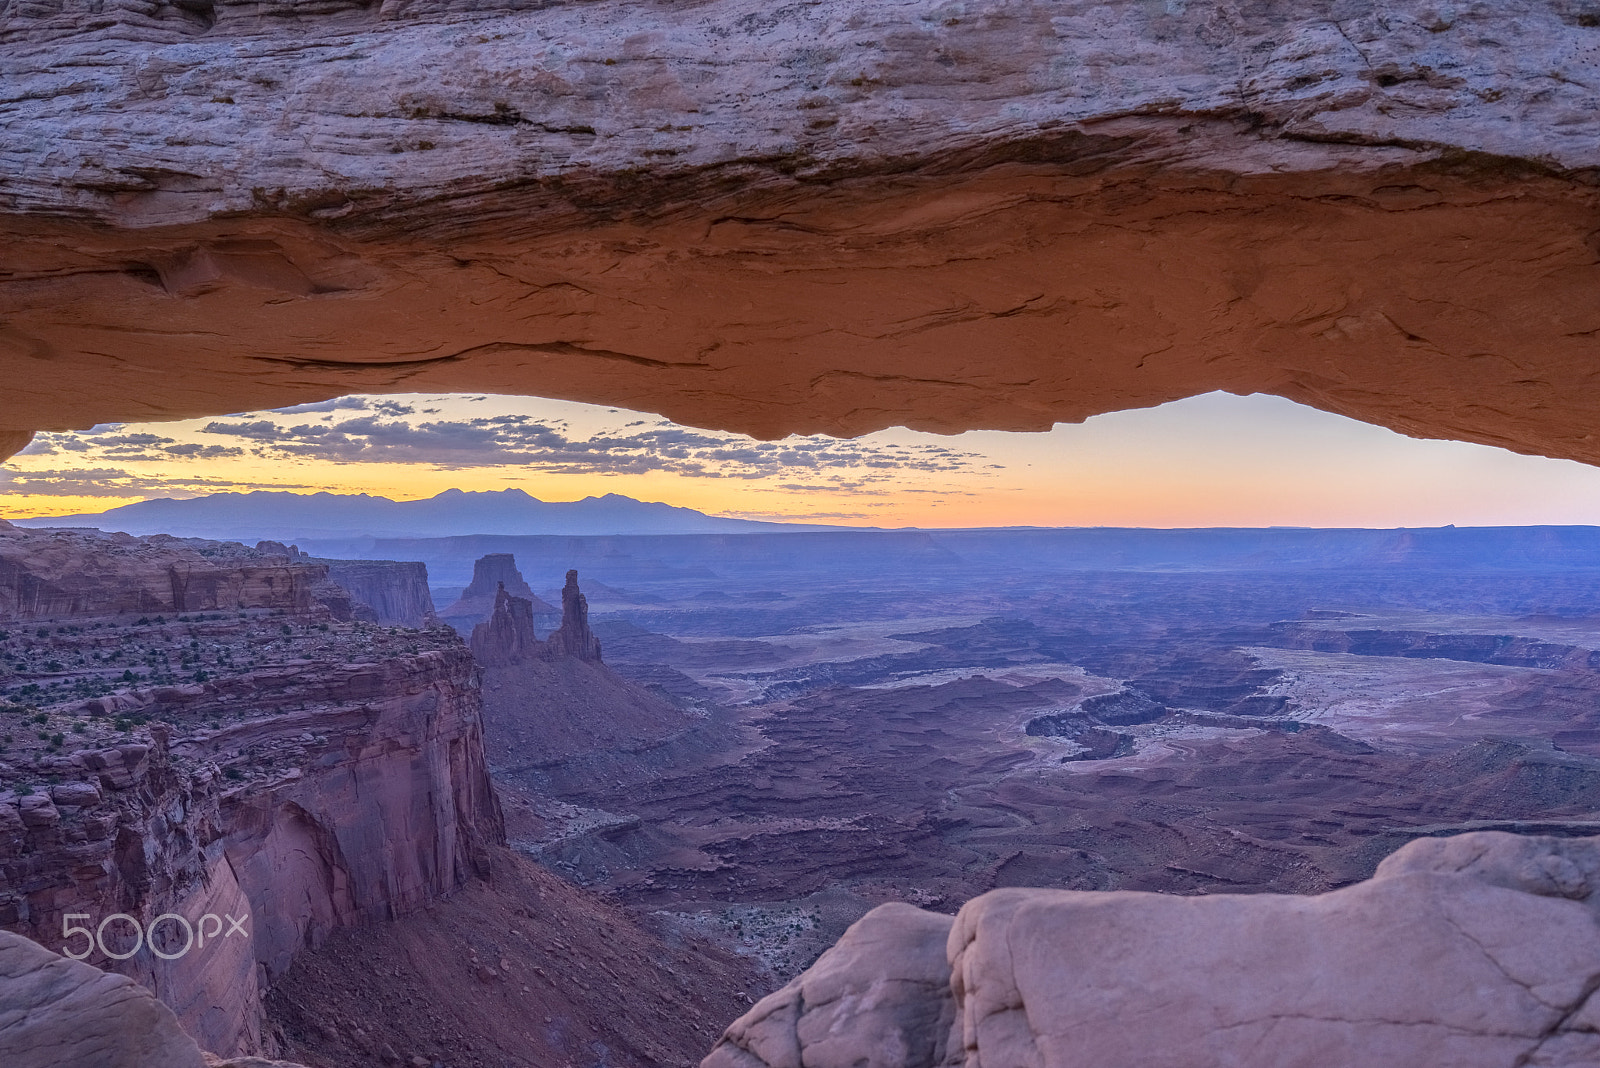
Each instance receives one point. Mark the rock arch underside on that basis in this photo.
(831, 218)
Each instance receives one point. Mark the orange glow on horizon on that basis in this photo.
(1216, 460)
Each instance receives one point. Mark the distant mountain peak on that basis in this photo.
(280, 515)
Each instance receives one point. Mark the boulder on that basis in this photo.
(1478, 950)
(880, 998)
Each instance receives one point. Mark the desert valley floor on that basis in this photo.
(945, 719)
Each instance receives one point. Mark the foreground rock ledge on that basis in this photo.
(1478, 950)
(56, 1012)
(828, 217)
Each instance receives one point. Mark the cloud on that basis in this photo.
(259, 430)
(377, 431)
(195, 451)
(117, 482)
(547, 446)
(796, 517)
(128, 448)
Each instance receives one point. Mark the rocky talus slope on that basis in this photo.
(806, 217)
(1478, 950)
(521, 968)
(267, 762)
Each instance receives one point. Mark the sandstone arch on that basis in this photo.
(835, 218)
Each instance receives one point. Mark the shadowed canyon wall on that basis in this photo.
(828, 218)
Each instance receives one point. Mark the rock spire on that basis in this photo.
(573, 637)
(477, 601)
(507, 636)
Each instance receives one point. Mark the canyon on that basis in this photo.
(254, 747)
(926, 717)
(256, 762)
(737, 751)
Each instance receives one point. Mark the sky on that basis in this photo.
(1213, 460)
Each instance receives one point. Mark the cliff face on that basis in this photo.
(293, 771)
(397, 592)
(67, 574)
(1475, 951)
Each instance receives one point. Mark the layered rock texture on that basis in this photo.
(508, 637)
(63, 1012)
(807, 218)
(59, 1012)
(1481, 949)
(70, 574)
(277, 766)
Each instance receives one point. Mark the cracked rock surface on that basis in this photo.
(825, 217)
(1477, 950)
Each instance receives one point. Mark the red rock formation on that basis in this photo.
(551, 701)
(67, 574)
(574, 638)
(490, 573)
(507, 636)
(308, 775)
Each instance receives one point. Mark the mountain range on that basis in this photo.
(289, 517)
